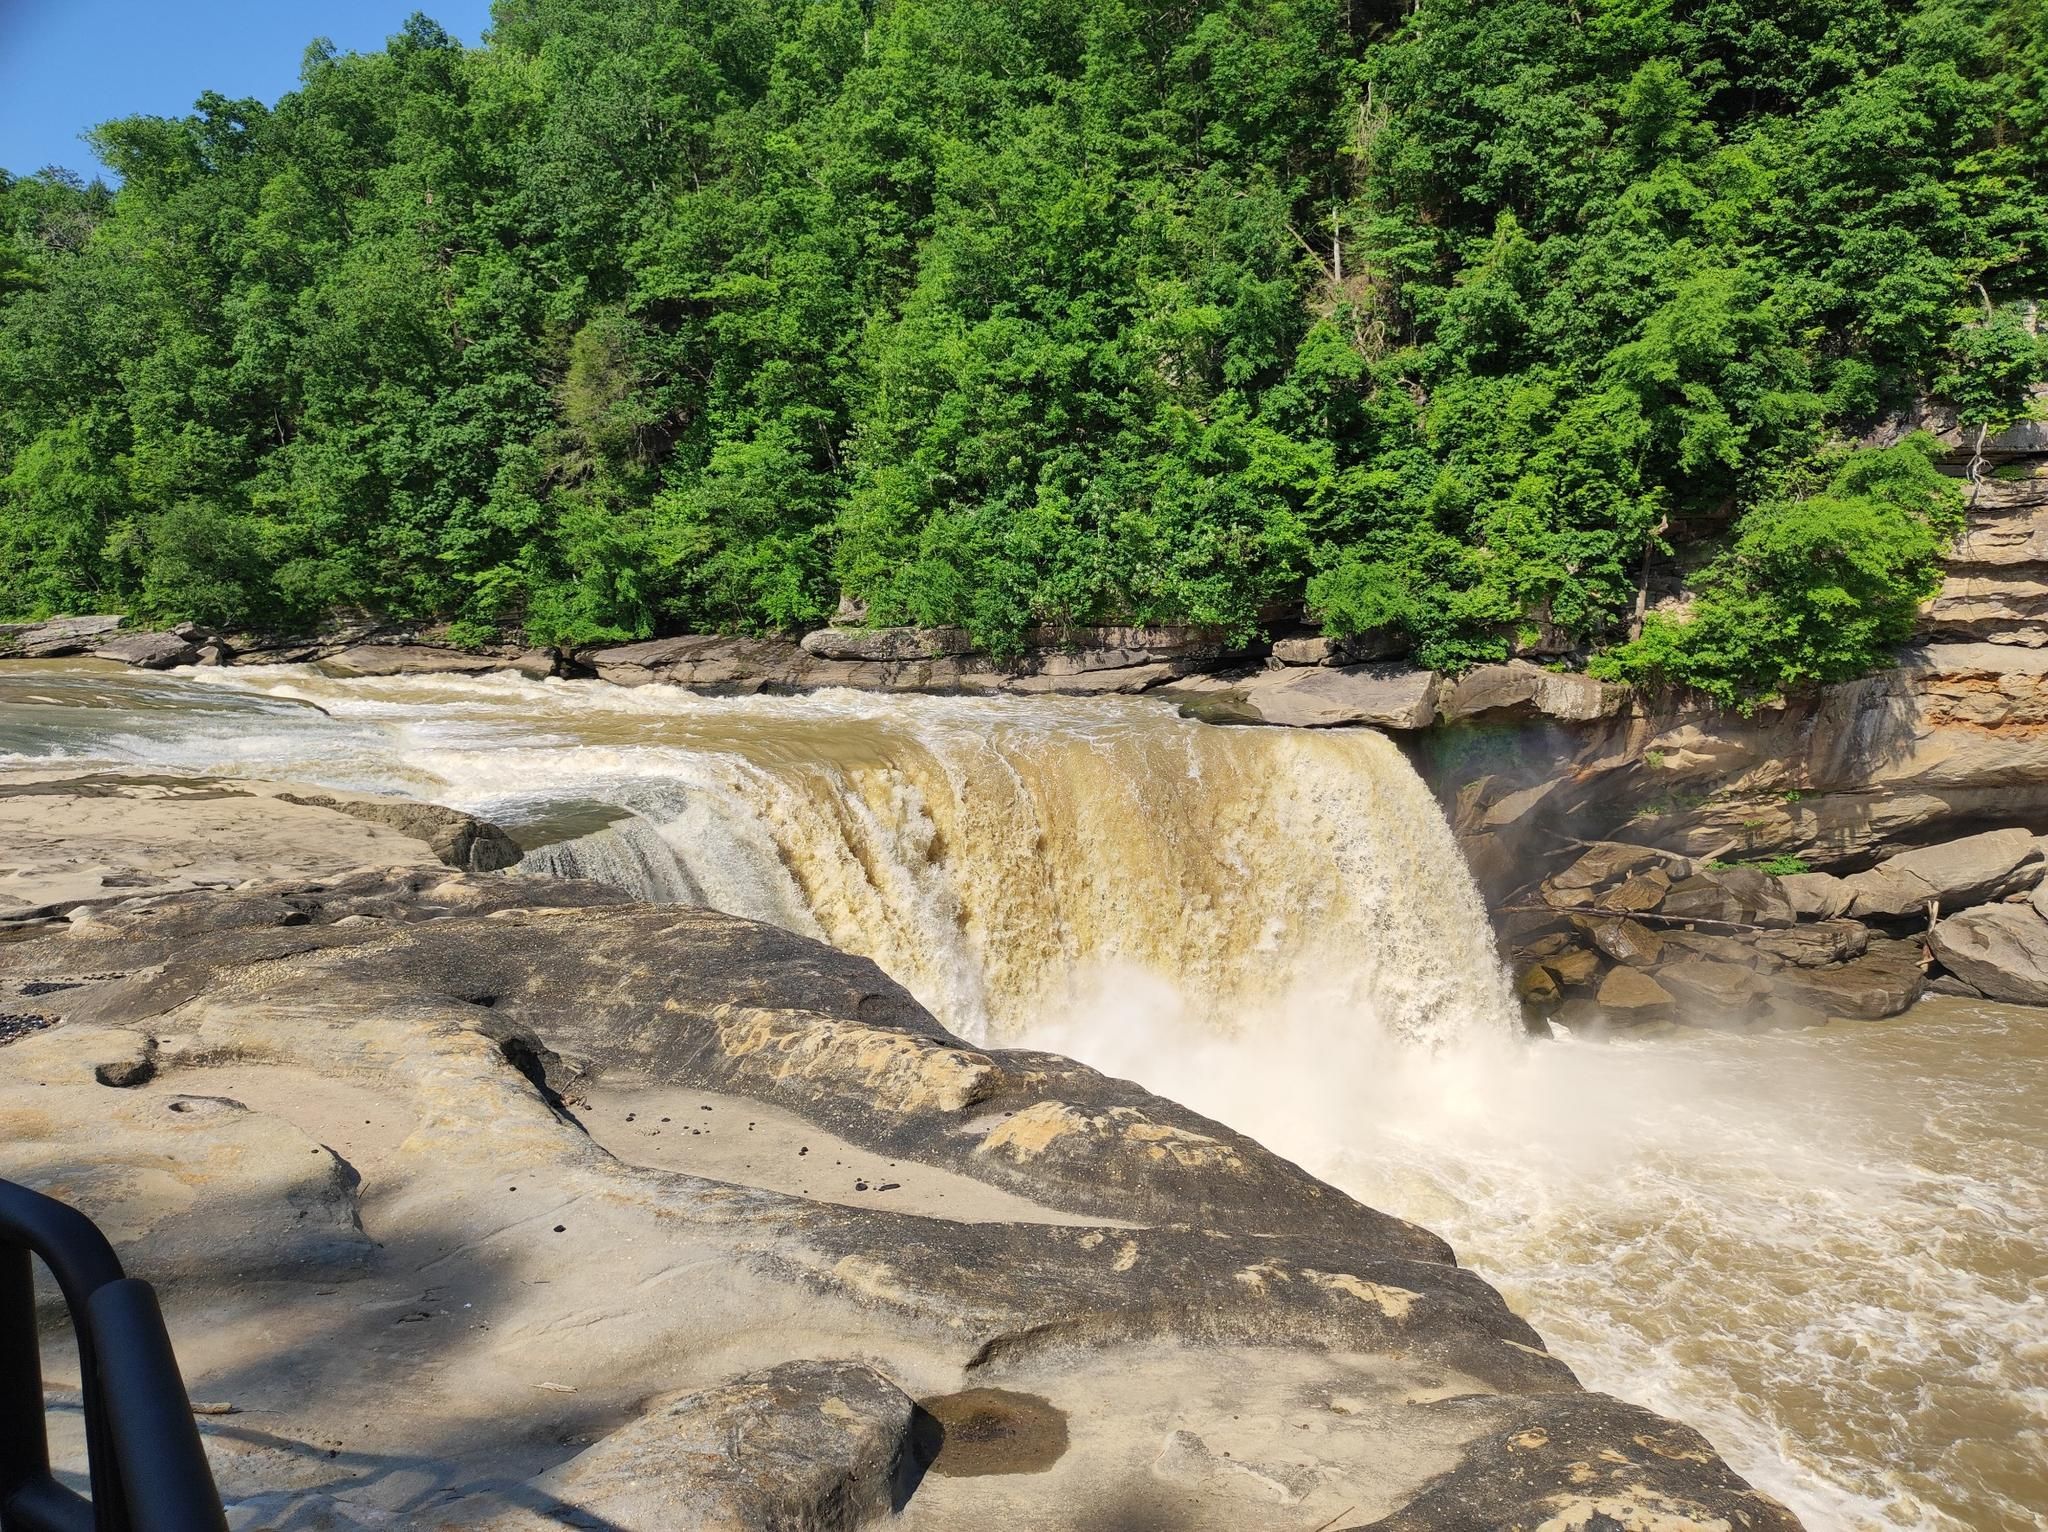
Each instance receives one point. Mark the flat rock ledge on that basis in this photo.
(503, 1202)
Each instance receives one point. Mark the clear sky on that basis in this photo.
(66, 65)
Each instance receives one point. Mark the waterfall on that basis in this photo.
(1012, 861)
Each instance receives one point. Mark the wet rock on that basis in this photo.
(1815, 944)
(1628, 942)
(149, 651)
(1883, 982)
(1386, 696)
(1737, 895)
(1956, 875)
(1522, 689)
(1538, 986)
(1614, 1468)
(1788, 1015)
(1632, 994)
(1712, 988)
(1999, 950)
(1575, 967)
(54, 639)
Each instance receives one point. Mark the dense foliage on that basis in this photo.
(1439, 319)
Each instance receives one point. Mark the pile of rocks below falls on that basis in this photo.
(1632, 935)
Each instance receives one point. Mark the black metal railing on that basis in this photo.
(147, 1466)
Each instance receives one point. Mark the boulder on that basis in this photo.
(1576, 967)
(1999, 950)
(1606, 861)
(148, 651)
(54, 639)
(1712, 988)
(1387, 696)
(1816, 895)
(427, 659)
(1789, 1015)
(1628, 942)
(1815, 944)
(887, 643)
(1644, 891)
(1957, 875)
(1522, 689)
(1738, 895)
(1883, 982)
(1630, 994)
(1384, 644)
(1538, 987)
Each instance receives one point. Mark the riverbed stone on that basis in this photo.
(1886, 980)
(1954, 875)
(1631, 993)
(1815, 944)
(148, 651)
(1629, 942)
(1999, 950)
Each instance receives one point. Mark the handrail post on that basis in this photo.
(146, 1460)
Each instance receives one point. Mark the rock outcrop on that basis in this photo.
(507, 1203)
(1999, 950)
(56, 638)
(1628, 935)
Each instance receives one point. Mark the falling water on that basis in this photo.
(1825, 1249)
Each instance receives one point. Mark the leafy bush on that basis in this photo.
(1814, 590)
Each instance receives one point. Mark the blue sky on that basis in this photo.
(66, 65)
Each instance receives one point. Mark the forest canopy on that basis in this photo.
(1431, 320)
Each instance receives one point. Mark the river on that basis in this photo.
(1828, 1250)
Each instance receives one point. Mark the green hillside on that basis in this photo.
(1436, 319)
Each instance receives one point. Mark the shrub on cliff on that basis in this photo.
(1815, 589)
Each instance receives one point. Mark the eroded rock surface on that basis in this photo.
(390, 1240)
